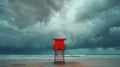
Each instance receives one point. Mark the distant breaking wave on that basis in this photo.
(67, 57)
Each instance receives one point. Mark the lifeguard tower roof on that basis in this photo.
(59, 38)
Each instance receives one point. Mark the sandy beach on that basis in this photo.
(38, 63)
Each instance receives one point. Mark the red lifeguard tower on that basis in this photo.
(59, 46)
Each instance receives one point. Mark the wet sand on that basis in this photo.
(38, 63)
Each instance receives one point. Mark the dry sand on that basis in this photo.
(33, 63)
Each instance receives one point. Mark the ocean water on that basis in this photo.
(67, 57)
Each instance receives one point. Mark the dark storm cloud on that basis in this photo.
(96, 8)
(28, 26)
(105, 14)
(16, 15)
(27, 12)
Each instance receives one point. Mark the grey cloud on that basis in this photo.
(23, 13)
(91, 25)
(103, 15)
(96, 40)
(95, 8)
(93, 51)
(115, 31)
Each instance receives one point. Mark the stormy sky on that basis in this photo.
(90, 26)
